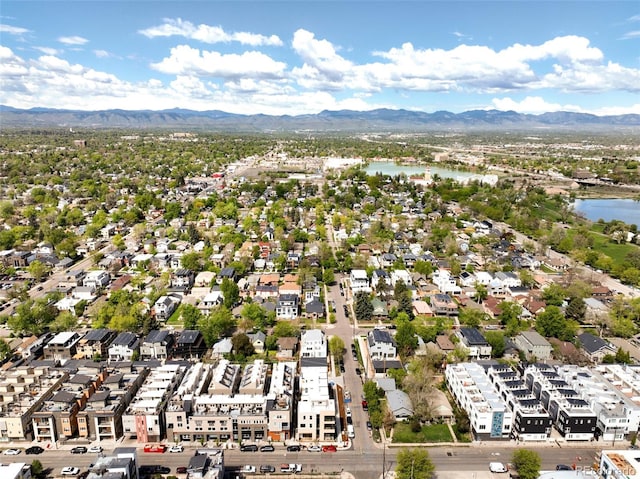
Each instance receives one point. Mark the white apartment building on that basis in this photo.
(145, 416)
(489, 415)
(445, 282)
(313, 344)
(96, 279)
(359, 281)
(316, 410)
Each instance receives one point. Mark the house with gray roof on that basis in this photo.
(157, 345)
(595, 347)
(399, 404)
(533, 345)
(123, 347)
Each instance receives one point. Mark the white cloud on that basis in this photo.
(531, 104)
(73, 40)
(631, 35)
(47, 50)
(322, 62)
(102, 53)
(208, 33)
(185, 60)
(11, 30)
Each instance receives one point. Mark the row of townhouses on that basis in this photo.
(579, 403)
(50, 400)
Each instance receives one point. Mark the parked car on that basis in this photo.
(267, 468)
(267, 448)
(181, 470)
(34, 450)
(563, 467)
(497, 467)
(95, 449)
(176, 448)
(293, 448)
(249, 448)
(78, 450)
(314, 448)
(70, 471)
(365, 406)
(11, 452)
(329, 448)
(358, 371)
(248, 469)
(369, 426)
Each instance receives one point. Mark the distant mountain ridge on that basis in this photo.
(341, 120)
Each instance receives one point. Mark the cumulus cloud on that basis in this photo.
(531, 104)
(207, 33)
(73, 40)
(185, 60)
(11, 30)
(322, 62)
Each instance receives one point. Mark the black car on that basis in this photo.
(267, 448)
(181, 469)
(349, 420)
(79, 450)
(267, 468)
(249, 448)
(34, 450)
(563, 467)
(358, 372)
(293, 448)
(342, 370)
(154, 469)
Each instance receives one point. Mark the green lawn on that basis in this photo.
(617, 252)
(435, 433)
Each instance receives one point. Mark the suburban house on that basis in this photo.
(123, 347)
(595, 347)
(475, 343)
(287, 306)
(165, 306)
(359, 281)
(158, 344)
(533, 345)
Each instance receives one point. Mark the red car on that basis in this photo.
(365, 405)
(329, 448)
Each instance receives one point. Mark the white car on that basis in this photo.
(176, 448)
(497, 467)
(314, 448)
(95, 449)
(248, 469)
(11, 452)
(70, 471)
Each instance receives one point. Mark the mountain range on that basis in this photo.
(342, 120)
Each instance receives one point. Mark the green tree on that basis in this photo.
(191, 261)
(472, 317)
(5, 350)
(481, 293)
(328, 276)
(497, 342)
(336, 346)
(37, 469)
(554, 294)
(218, 323)
(38, 270)
(190, 316)
(527, 463)
(231, 293)
(414, 463)
(284, 329)
(242, 345)
(576, 309)
(406, 338)
(256, 314)
(363, 306)
(552, 323)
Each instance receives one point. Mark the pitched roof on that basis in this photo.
(592, 344)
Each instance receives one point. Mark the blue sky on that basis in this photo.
(298, 57)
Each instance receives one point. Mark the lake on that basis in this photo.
(609, 209)
(392, 169)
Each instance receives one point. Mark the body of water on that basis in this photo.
(609, 209)
(392, 169)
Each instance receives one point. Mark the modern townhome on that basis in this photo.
(313, 344)
(158, 344)
(95, 344)
(288, 306)
(23, 391)
(123, 347)
(531, 422)
(475, 343)
(316, 407)
(144, 419)
(572, 416)
(359, 281)
(489, 415)
(189, 345)
(62, 347)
